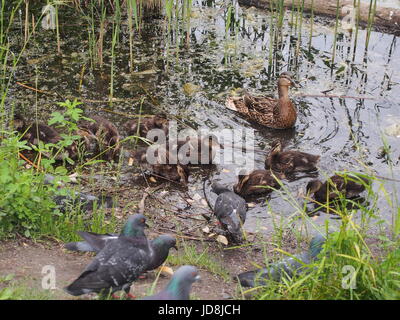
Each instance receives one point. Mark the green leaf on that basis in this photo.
(56, 117)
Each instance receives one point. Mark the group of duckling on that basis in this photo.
(100, 136)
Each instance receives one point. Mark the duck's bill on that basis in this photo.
(296, 84)
(197, 278)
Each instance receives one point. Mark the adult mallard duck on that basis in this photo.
(337, 185)
(257, 182)
(158, 121)
(267, 111)
(290, 161)
(106, 134)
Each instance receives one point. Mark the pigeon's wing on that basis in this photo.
(79, 246)
(290, 266)
(117, 265)
(97, 241)
(157, 256)
(241, 206)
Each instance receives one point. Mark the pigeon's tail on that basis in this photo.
(246, 279)
(253, 278)
(79, 246)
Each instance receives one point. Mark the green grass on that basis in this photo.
(11, 289)
(329, 278)
(189, 255)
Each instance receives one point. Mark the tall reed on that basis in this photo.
(115, 38)
(371, 18)
(335, 35)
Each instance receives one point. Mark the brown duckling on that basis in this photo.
(106, 134)
(161, 163)
(36, 132)
(257, 182)
(195, 150)
(290, 161)
(273, 113)
(158, 121)
(348, 186)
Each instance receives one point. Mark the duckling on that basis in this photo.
(158, 121)
(335, 186)
(106, 134)
(256, 182)
(198, 150)
(273, 113)
(290, 161)
(36, 132)
(88, 140)
(162, 163)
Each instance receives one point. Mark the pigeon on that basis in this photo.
(118, 264)
(288, 266)
(160, 249)
(95, 242)
(76, 200)
(81, 200)
(179, 286)
(230, 210)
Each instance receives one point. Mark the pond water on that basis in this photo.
(386, 3)
(348, 133)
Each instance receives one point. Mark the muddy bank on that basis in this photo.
(386, 18)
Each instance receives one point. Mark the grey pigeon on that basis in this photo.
(84, 201)
(74, 200)
(179, 286)
(160, 249)
(95, 242)
(230, 210)
(286, 267)
(118, 264)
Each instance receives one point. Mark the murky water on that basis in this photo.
(347, 132)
